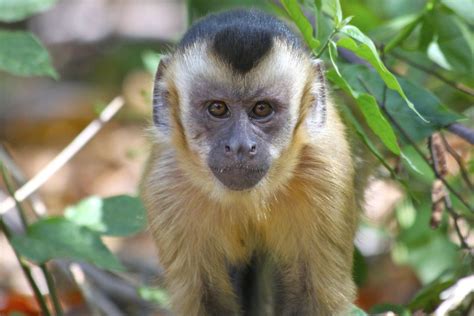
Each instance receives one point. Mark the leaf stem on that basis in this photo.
(326, 43)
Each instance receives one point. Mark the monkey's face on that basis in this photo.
(239, 124)
(238, 133)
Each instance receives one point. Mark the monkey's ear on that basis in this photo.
(161, 111)
(317, 113)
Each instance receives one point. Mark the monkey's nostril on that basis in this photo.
(253, 149)
(227, 149)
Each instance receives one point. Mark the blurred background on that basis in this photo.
(105, 48)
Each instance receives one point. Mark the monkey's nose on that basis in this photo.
(243, 149)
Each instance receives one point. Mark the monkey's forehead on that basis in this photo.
(240, 37)
(199, 64)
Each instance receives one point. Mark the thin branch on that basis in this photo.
(52, 289)
(452, 83)
(446, 197)
(115, 287)
(95, 299)
(417, 149)
(38, 206)
(26, 271)
(46, 274)
(459, 161)
(321, 51)
(462, 131)
(64, 156)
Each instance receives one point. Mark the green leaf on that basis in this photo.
(371, 111)
(435, 54)
(384, 308)
(151, 60)
(324, 26)
(319, 4)
(463, 8)
(426, 32)
(429, 252)
(155, 295)
(456, 42)
(22, 54)
(356, 311)
(415, 163)
(348, 116)
(57, 237)
(406, 215)
(377, 122)
(120, 215)
(16, 10)
(426, 103)
(333, 8)
(332, 57)
(293, 9)
(360, 271)
(429, 296)
(368, 52)
(404, 33)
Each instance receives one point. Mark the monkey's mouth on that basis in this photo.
(239, 177)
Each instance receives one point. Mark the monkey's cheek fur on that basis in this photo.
(239, 178)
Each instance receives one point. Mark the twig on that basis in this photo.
(321, 51)
(459, 161)
(26, 271)
(44, 269)
(52, 289)
(115, 287)
(64, 156)
(447, 200)
(39, 208)
(452, 83)
(99, 300)
(415, 146)
(462, 131)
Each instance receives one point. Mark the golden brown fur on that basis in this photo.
(303, 213)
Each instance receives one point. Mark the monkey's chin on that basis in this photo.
(239, 179)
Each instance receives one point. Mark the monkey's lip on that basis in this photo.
(239, 177)
(238, 168)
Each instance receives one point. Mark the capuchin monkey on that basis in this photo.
(250, 188)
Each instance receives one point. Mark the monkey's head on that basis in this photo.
(232, 98)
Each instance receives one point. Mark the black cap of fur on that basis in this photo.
(240, 37)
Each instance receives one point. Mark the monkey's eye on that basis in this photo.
(218, 109)
(262, 109)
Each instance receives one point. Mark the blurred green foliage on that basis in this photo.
(17, 10)
(434, 39)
